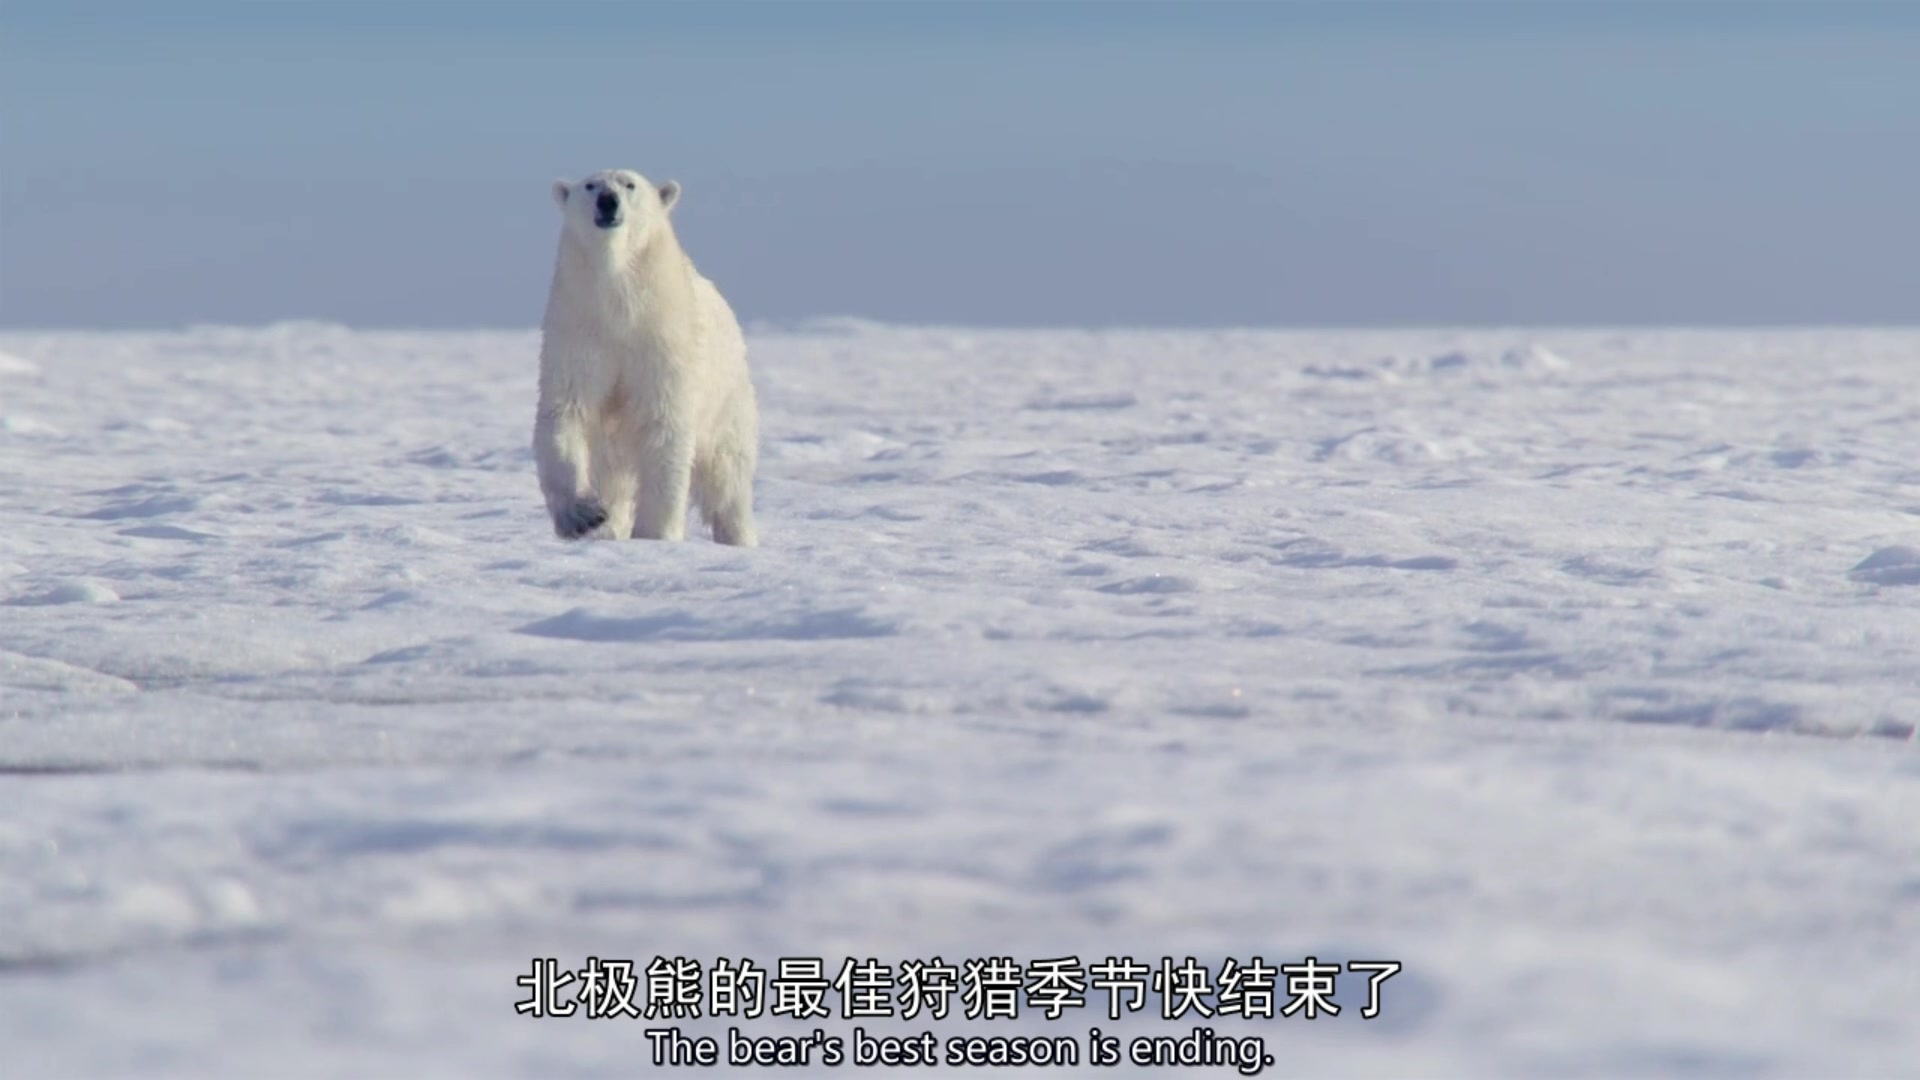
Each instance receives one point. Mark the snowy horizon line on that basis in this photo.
(845, 322)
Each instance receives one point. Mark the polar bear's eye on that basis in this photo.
(593, 185)
(628, 183)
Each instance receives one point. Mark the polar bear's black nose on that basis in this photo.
(607, 203)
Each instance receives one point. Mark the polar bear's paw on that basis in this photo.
(579, 518)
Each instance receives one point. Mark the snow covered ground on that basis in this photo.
(1574, 671)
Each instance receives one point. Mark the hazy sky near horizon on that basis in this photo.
(1118, 164)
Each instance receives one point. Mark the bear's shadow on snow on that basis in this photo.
(1897, 565)
(838, 623)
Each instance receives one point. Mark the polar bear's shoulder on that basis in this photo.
(718, 324)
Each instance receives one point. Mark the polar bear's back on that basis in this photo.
(725, 342)
(723, 351)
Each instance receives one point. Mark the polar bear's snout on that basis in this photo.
(606, 210)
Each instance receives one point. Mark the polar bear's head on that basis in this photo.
(615, 206)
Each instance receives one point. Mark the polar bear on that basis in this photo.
(645, 401)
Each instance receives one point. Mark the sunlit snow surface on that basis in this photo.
(1575, 671)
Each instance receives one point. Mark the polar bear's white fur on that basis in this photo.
(645, 402)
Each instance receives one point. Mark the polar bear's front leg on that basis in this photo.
(560, 448)
(666, 478)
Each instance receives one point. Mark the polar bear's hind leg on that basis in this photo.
(723, 488)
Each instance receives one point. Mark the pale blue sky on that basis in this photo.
(1315, 164)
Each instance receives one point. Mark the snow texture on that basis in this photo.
(1575, 671)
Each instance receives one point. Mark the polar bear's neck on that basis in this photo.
(623, 285)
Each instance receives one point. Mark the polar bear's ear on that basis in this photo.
(560, 191)
(669, 194)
